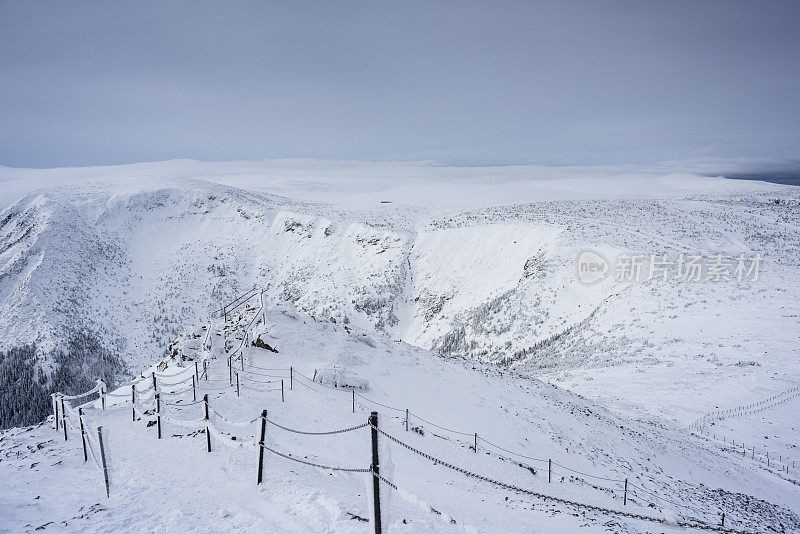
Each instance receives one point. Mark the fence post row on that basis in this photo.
(261, 445)
(208, 432)
(83, 435)
(376, 489)
(103, 458)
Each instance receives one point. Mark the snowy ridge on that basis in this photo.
(495, 284)
(592, 497)
(341, 288)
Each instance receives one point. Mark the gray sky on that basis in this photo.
(458, 82)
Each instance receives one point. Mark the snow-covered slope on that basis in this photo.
(671, 474)
(381, 290)
(135, 261)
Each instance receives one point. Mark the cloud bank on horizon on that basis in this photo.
(353, 182)
(560, 83)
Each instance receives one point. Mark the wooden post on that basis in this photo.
(103, 458)
(291, 378)
(376, 488)
(133, 402)
(282, 399)
(406, 419)
(314, 379)
(237, 384)
(354, 401)
(208, 432)
(103, 396)
(83, 434)
(723, 519)
(625, 495)
(194, 389)
(158, 413)
(155, 386)
(549, 470)
(476, 442)
(261, 446)
(64, 418)
(196, 372)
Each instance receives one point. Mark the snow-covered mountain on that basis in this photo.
(134, 262)
(608, 471)
(472, 313)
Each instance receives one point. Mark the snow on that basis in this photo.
(463, 307)
(505, 408)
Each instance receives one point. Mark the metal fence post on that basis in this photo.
(103, 458)
(549, 469)
(237, 384)
(158, 413)
(64, 418)
(376, 489)
(282, 398)
(208, 432)
(194, 389)
(354, 401)
(261, 446)
(55, 409)
(83, 434)
(291, 378)
(476, 442)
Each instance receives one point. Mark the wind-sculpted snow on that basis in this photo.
(132, 263)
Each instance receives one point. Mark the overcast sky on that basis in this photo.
(457, 82)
